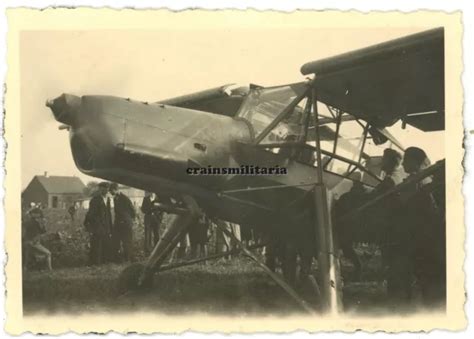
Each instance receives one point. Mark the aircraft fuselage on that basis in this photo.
(154, 146)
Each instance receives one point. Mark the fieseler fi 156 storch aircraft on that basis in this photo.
(313, 134)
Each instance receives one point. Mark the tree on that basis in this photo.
(91, 188)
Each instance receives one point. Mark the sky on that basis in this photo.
(154, 65)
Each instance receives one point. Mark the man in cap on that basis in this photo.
(124, 215)
(424, 236)
(98, 222)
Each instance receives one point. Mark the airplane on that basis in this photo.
(304, 139)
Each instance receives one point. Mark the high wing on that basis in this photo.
(381, 84)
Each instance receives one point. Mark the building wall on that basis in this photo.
(63, 200)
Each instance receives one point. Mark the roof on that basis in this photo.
(381, 84)
(61, 184)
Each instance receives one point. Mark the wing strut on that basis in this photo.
(288, 289)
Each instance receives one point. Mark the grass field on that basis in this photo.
(231, 287)
(214, 288)
(236, 286)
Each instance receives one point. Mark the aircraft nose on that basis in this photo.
(49, 103)
(65, 108)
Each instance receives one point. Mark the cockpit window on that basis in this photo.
(263, 105)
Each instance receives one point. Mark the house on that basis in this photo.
(53, 191)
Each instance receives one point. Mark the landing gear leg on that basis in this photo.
(138, 276)
(328, 259)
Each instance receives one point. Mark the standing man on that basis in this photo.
(152, 221)
(420, 248)
(124, 213)
(98, 223)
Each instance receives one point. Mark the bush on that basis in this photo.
(71, 247)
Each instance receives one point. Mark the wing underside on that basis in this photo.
(381, 84)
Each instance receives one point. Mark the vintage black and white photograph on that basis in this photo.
(238, 170)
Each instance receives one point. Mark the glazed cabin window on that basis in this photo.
(263, 105)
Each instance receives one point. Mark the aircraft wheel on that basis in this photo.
(128, 279)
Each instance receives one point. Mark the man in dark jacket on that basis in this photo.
(98, 223)
(152, 220)
(124, 215)
(420, 247)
